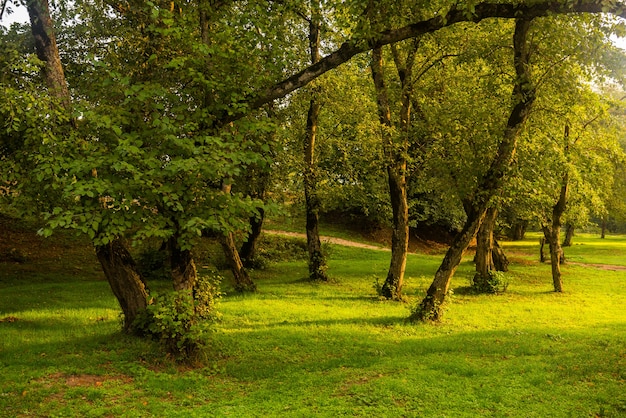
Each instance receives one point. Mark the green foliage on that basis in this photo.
(181, 320)
(496, 282)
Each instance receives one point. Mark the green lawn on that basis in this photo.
(297, 349)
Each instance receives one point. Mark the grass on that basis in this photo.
(296, 349)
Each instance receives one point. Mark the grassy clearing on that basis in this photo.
(301, 349)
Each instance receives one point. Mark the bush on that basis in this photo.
(181, 320)
(495, 283)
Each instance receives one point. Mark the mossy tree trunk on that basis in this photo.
(523, 96)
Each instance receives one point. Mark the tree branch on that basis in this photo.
(481, 12)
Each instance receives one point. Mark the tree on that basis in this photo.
(317, 262)
(523, 97)
(161, 128)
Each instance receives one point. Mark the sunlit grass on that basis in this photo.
(297, 349)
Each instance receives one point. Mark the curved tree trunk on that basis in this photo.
(243, 282)
(126, 283)
(430, 307)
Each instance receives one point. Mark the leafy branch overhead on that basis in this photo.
(474, 13)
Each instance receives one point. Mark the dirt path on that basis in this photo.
(331, 240)
(599, 266)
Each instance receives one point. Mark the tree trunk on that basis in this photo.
(395, 154)
(542, 243)
(184, 273)
(243, 282)
(569, 235)
(126, 283)
(317, 261)
(484, 248)
(603, 231)
(551, 234)
(500, 260)
(247, 251)
(489, 254)
(523, 95)
(42, 29)
(519, 230)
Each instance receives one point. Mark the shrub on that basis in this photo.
(495, 283)
(181, 320)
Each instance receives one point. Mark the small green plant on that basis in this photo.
(378, 286)
(181, 320)
(495, 283)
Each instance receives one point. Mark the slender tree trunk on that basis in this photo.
(569, 235)
(552, 236)
(523, 95)
(542, 243)
(126, 283)
(317, 261)
(243, 282)
(552, 230)
(603, 231)
(395, 153)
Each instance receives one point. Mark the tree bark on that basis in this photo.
(489, 253)
(523, 95)
(317, 261)
(518, 230)
(603, 231)
(396, 177)
(569, 235)
(247, 251)
(126, 283)
(500, 260)
(42, 29)
(484, 248)
(243, 282)
(556, 255)
(183, 268)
